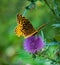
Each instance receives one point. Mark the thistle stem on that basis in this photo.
(25, 11)
(50, 7)
(50, 58)
(42, 34)
(43, 54)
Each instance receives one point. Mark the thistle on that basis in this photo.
(33, 44)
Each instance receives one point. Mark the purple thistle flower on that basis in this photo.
(33, 44)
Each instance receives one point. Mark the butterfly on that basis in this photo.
(25, 28)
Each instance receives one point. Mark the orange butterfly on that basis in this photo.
(25, 28)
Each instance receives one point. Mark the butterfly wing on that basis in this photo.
(18, 31)
(24, 27)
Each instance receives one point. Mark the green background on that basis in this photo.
(11, 47)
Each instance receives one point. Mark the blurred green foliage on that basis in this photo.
(11, 46)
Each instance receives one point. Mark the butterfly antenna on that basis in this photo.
(42, 26)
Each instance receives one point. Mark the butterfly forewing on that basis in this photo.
(24, 27)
